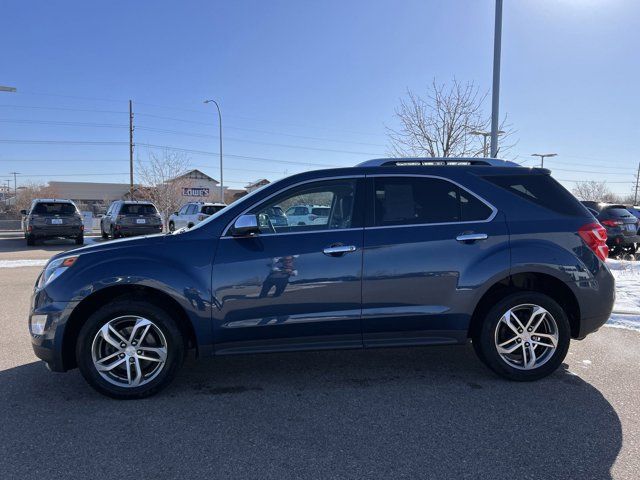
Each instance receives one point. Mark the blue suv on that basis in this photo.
(412, 252)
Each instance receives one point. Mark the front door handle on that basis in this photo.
(471, 237)
(338, 250)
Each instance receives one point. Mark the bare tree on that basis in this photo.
(594, 191)
(161, 182)
(442, 123)
(30, 191)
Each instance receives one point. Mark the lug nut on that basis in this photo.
(519, 340)
(132, 360)
(134, 343)
(139, 352)
(122, 355)
(526, 344)
(519, 330)
(123, 345)
(529, 329)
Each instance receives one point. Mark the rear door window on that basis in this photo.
(424, 200)
(542, 190)
(211, 209)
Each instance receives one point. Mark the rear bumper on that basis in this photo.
(133, 230)
(621, 240)
(596, 298)
(56, 231)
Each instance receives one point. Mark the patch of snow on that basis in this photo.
(22, 263)
(626, 311)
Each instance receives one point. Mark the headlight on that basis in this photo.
(54, 269)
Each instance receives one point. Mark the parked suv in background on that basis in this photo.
(193, 213)
(307, 214)
(413, 252)
(130, 218)
(52, 218)
(621, 225)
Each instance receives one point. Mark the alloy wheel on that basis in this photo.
(129, 351)
(526, 336)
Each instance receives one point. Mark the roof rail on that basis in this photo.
(437, 162)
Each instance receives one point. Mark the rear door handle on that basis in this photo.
(471, 237)
(338, 250)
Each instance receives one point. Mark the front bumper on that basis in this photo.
(49, 345)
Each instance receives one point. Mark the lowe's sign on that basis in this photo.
(195, 192)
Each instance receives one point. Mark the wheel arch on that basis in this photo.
(103, 296)
(539, 282)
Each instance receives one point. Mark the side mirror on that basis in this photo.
(23, 212)
(245, 225)
(176, 213)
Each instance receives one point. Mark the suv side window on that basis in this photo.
(424, 200)
(336, 195)
(183, 210)
(192, 209)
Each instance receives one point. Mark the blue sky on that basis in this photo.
(305, 84)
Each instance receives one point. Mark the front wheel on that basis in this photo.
(172, 227)
(524, 337)
(129, 349)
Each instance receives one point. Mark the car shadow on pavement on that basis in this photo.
(396, 413)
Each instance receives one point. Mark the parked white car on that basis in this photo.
(308, 214)
(193, 213)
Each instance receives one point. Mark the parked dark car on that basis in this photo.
(130, 218)
(413, 252)
(52, 218)
(621, 226)
(635, 211)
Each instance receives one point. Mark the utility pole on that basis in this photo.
(6, 195)
(130, 150)
(495, 91)
(635, 196)
(15, 187)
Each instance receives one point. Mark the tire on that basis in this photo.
(80, 239)
(552, 324)
(114, 234)
(113, 383)
(172, 227)
(31, 240)
(105, 235)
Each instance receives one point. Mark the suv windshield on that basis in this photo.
(54, 208)
(138, 209)
(211, 209)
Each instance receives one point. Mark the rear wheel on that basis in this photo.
(172, 227)
(114, 233)
(31, 240)
(80, 239)
(524, 337)
(129, 349)
(105, 235)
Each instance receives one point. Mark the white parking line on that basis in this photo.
(22, 263)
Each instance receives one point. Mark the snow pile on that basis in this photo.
(626, 311)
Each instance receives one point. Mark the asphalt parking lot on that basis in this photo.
(398, 413)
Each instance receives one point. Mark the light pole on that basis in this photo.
(543, 156)
(220, 125)
(495, 92)
(7, 89)
(484, 140)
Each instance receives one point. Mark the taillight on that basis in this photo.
(595, 236)
(612, 223)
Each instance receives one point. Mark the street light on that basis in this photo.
(484, 140)
(543, 156)
(220, 125)
(7, 89)
(495, 91)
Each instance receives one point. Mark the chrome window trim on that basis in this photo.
(225, 233)
(494, 210)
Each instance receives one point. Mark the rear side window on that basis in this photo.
(138, 209)
(54, 208)
(542, 190)
(421, 200)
